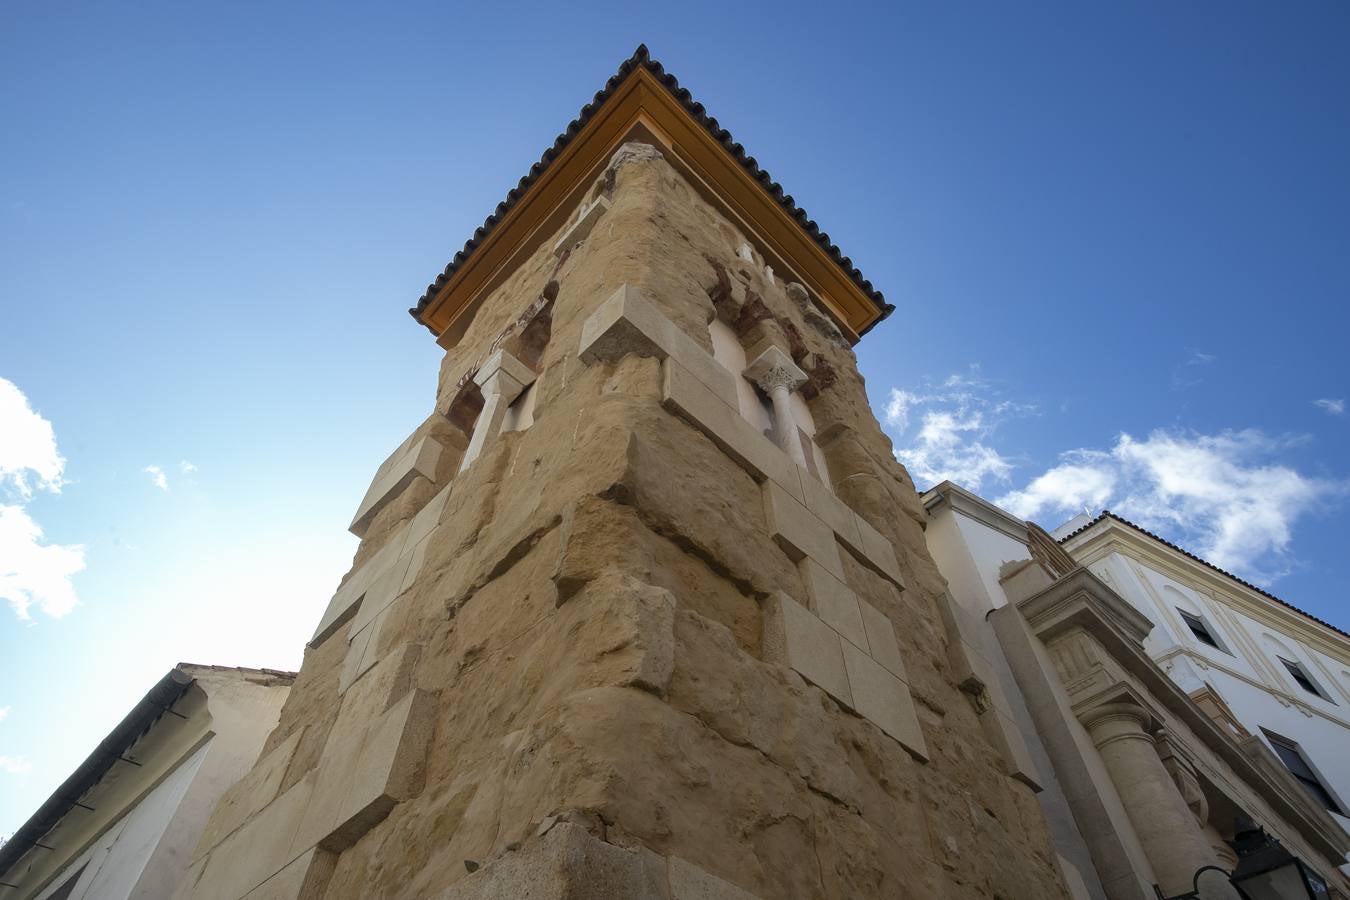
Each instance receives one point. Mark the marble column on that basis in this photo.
(1172, 839)
(778, 376)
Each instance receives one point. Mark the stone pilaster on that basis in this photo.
(1171, 837)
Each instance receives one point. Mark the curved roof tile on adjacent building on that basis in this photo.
(1107, 514)
(641, 57)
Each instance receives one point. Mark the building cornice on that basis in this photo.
(1109, 533)
(644, 102)
(975, 507)
(1082, 601)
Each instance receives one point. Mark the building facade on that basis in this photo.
(1149, 773)
(125, 823)
(634, 614)
(1278, 673)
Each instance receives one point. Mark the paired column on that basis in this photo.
(778, 376)
(1167, 829)
(501, 379)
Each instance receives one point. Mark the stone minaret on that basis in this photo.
(643, 608)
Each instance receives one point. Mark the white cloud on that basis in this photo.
(31, 572)
(1331, 407)
(1225, 496)
(15, 765)
(956, 418)
(157, 476)
(28, 448)
(1229, 497)
(186, 467)
(4, 712)
(1084, 482)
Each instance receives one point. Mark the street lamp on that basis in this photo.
(1265, 870)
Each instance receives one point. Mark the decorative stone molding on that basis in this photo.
(1180, 764)
(501, 380)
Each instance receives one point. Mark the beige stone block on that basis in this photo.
(303, 878)
(397, 472)
(795, 637)
(834, 601)
(685, 396)
(585, 221)
(884, 700)
(384, 590)
(428, 517)
(1007, 739)
(257, 850)
(389, 769)
(798, 531)
(834, 512)
(351, 592)
(352, 662)
(566, 862)
(689, 882)
(877, 553)
(629, 323)
(881, 640)
(250, 794)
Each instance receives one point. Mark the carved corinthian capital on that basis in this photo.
(773, 370)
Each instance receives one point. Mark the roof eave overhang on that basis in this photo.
(642, 108)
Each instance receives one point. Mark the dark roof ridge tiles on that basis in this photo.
(642, 57)
(1107, 514)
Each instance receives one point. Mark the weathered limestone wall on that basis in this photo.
(576, 662)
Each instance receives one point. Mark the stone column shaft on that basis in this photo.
(501, 379)
(1172, 839)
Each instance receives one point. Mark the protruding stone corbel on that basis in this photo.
(778, 376)
(501, 379)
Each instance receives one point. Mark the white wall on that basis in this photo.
(114, 863)
(1247, 673)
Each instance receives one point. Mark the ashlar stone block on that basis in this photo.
(795, 637)
(366, 768)
(251, 793)
(884, 700)
(685, 396)
(877, 553)
(881, 640)
(586, 219)
(257, 850)
(831, 510)
(416, 459)
(303, 878)
(835, 602)
(797, 530)
(351, 591)
(1007, 739)
(629, 323)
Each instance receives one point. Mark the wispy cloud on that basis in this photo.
(15, 765)
(1186, 374)
(956, 418)
(32, 572)
(1225, 495)
(157, 477)
(1331, 407)
(4, 712)
(186, 467)
(1232, 497)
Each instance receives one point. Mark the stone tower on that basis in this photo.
(643, 609)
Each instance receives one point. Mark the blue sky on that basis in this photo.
(1116, 236)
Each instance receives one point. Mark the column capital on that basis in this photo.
(503, 374)
(774, 369)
